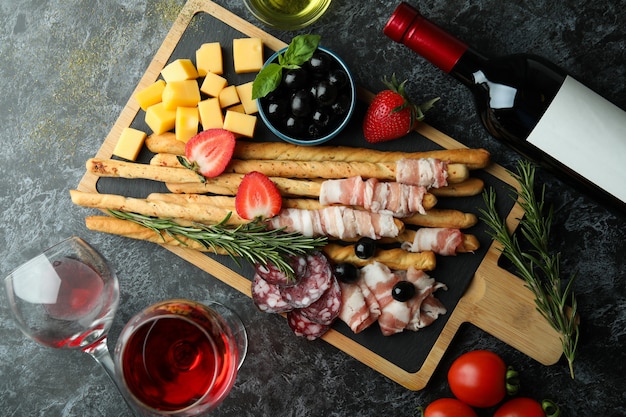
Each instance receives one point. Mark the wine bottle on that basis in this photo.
(532, 105)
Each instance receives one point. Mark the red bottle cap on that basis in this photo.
(409, 27)
(400, 21)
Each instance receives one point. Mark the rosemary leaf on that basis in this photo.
(253, 241)
(538, 267)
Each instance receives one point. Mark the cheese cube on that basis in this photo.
(187, 120)
(240, 123)
(247, 54)
(129, 144)
(228, 96)
(213, 84)
(245, 96)
(237, 107)
(160, 119)
(181, 94)
(179, 70)
(209, 59)
(210, 114)
(150, 95)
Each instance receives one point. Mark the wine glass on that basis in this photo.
(66, 298)
(180, 357)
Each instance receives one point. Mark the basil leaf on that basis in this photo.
(299, 50)
(267, 80)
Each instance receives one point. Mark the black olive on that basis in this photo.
(341, 105)
(294, 126)
(325, 93)
(365, 248)
(321, 117)
(319, 64)
(277, 109)
(338, 78)
(346, 272)
(403, 291)
(314, 131)
(301, 103)
(295, 78)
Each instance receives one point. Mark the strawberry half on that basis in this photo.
(210, 151)
(257, 196)
(391, 114)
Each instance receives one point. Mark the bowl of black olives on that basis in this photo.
(312, 102)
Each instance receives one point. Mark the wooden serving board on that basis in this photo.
(480, 291)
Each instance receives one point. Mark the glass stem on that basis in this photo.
(101, 354)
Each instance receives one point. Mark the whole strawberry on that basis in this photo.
(391, 114)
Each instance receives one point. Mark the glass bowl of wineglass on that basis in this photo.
(180, 357)
(66, 298)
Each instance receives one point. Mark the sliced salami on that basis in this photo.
(326, 309)
(316, 280)
(273, 275)
(304, 327)
(267, 297)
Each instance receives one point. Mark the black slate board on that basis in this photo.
(407, 350)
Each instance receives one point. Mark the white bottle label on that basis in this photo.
(587, 133)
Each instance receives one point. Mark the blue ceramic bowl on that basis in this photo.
(338, 125)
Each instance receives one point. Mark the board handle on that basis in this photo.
(499, 303)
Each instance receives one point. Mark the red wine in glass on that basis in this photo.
(178, 357)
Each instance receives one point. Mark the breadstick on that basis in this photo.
(331, 169)
(393, 258)
(470, 242)
(133, 230)
(470, 187)
(165, 143)
(454, 219)
(227, 184)
(220, 201)
(473, 158)
(123, 169)
(200, 213)
(433, 218)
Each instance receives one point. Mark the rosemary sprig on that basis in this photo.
(252, 241)
(537, 266)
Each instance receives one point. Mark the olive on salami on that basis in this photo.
(304, 327)
(326, 309)
(316, 280)
(267, 297)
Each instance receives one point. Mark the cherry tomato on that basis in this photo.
(448, 407)
(478, 378)
(520, 407)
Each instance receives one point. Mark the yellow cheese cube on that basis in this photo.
(179, 70)
(245, 96)
(247, 54)
(240, 123)
(129, 144)
(181, 94)
(160, 119)
(228, 96)
(210, 113)
(237, 107)
(187, 120)
(150, 95)
(209, 59)
(213, 84)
